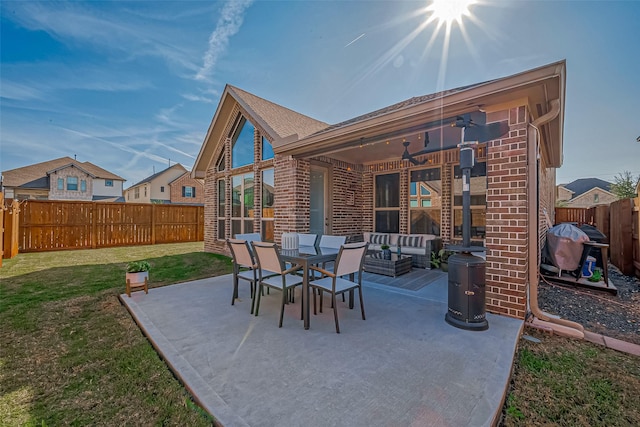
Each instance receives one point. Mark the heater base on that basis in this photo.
(482, 325)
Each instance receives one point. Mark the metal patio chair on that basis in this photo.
(272, 273)
(244, 267)
(350, 261)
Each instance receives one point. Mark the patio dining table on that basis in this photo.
(306, 256)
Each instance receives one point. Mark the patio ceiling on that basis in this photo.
(364, 140)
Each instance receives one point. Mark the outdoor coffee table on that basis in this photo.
(397, 265)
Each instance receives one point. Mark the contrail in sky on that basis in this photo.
(355, 40)
(229, 24)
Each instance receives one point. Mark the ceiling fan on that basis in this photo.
(411, 157)
(470, 132)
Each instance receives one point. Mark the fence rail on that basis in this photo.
(47, 225)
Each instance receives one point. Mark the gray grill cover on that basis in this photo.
(564, 243)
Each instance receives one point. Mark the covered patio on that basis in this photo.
(402, 366)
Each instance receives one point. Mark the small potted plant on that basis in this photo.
(137, 275)
(386, 252)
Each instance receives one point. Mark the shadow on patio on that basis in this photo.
(402, 366)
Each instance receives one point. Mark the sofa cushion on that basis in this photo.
(379, 238)
(410, 240)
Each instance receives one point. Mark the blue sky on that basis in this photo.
(130, 86)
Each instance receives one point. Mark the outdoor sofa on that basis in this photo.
(419, 246)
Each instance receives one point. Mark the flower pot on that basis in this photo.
(386, 253)
(135, 281)
(444, 266)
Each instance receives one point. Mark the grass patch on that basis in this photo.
(568, 382)
(70, 353)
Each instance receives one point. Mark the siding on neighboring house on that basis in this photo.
(155, 188)
(593, 197)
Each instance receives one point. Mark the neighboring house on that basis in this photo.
(155, 188)
(187, 190)
(585, 193)
(62, 179)
(271, 170)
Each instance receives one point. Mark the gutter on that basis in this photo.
(541, 319)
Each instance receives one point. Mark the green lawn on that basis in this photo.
(70, 353)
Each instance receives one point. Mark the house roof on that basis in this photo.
(280, 120)
(580, 186)
(277, 121)
(35, 176)
(301, 136)
(157, 174)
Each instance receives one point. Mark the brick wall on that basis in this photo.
(506, 236)
(185, 180)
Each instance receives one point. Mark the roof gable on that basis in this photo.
(277, 121)
(580, 186)
(158, 174)
(32, 176)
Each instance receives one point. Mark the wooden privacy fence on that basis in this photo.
(47, 225)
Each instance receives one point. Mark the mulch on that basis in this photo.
(616, 316)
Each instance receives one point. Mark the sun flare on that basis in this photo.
(450, 10)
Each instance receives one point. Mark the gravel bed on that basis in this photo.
(616, 316)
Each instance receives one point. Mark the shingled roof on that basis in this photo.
(580, 186)
(283, 121)
(35, 176)
(400, 105)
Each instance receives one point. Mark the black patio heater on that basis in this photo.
(466, 307)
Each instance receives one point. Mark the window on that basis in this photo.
(242, 144)
(478, 188)
(72, 183)
(162, 188)
(136, 193)
(221, 163)
(145, 191)
(425, 201)
(83, 186)
(242, 213)
(188, 191)
(387, 203)
(222, 198)
(108, 183)
(267, 149)
(596, 198)
(60, 183)
(268, 197)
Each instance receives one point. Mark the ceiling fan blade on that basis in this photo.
(486, 132)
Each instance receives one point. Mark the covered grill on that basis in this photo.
(565, 245)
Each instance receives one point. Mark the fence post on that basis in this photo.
(153, 223)
(94, 220)
(11, 223)
(1, 226)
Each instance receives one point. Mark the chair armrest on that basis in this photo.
(322, 271)
(295, 267)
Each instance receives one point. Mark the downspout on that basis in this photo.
(541, 319)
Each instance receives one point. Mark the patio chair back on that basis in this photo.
(327, 241)
(241, 253)
(307, 239)
(249, 237)
(268, 257)
(350, 258)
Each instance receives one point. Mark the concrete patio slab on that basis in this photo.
(402, 366)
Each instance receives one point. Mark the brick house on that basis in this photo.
(271, 170)
(62, 179)
(155, 188)
(186, 190)
(585, 193)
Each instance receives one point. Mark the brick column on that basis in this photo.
(292, 191)
(506, 236)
